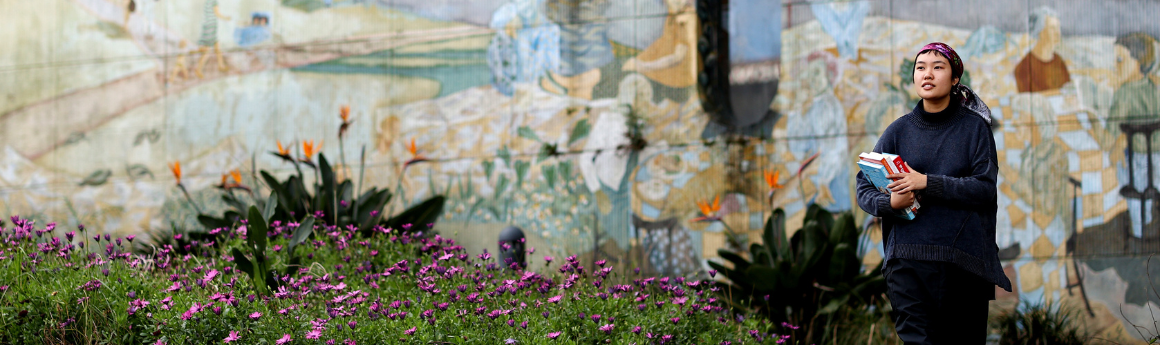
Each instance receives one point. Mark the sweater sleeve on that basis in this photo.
(977, 189)
(870, 199)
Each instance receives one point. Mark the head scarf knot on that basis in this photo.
(970, 100)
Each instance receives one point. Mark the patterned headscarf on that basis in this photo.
(970, 100)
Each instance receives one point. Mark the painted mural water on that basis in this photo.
(91, 118)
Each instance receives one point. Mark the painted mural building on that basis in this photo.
(584, 122)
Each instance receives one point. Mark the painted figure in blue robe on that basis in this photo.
(525, 46)
(584, 46)
(257, 32)
(822, 130)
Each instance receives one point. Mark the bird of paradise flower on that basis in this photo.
(175, 167)
(710, 212)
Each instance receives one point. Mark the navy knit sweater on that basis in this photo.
(956, 219)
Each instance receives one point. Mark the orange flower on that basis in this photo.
(709, 211)
(176, 168)
(771, 179)
(415, 156)
(237, 175)
(344, 113)
(308, 149)
(412, 148)
(282, 151)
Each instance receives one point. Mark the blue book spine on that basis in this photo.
(877, 175)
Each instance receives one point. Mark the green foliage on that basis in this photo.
(580, 131)
(1039, 324)
(386, 288)
(336, 201)
(257, 266)
(806, 279)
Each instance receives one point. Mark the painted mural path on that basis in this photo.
(62, 118)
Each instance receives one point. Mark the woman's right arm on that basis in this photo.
(870, 199)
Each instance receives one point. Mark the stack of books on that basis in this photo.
(877, 166)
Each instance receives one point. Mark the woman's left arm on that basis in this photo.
(977, 189)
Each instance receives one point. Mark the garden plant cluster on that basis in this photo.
(407, 285)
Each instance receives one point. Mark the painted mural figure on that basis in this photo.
(821, 130)
(1042, 69)
(670, 60)
(941, 268)
(257, 32)
(130, 7)
(208, 39)
(584, 46)
(1136, 97)
(843, 22)
(525, 46)
(180, 69)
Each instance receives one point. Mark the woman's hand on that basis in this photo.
(902, 200)
(907, 182)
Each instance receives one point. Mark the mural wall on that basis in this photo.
(521, 108)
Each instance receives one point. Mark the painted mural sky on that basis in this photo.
(99, 96)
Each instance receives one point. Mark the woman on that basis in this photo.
(942, 267)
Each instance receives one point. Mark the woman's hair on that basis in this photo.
(1142, 47)
(956, 70)
(1038, 19)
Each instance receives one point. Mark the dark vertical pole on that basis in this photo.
(1131, 163)
(669, 269)
(1148, 143)
(596, 236)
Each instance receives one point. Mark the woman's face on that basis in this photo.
(932, 76)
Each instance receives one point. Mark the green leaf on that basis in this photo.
(271, 207)
(501, 186)
(521, 168)
(488, 167)
(256, 232)
(844, 264)
(504, 154)
(426, 212)
(844, 231)
(739, 263)
(325, 197)
(774, 236)
(301, 233)
(210, 222)
(565, 169)
(243, 263)
(824, 218)
(278, 189)
(831, 307)
(580, 131)
(527, 133)
(369, 203)
(549, 172)
(764, 278)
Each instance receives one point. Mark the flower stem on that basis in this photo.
(189, 198)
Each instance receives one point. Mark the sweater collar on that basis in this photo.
(925, 119)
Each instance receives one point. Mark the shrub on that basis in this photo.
(1039, 324)
(389, 287)
(813, 279)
